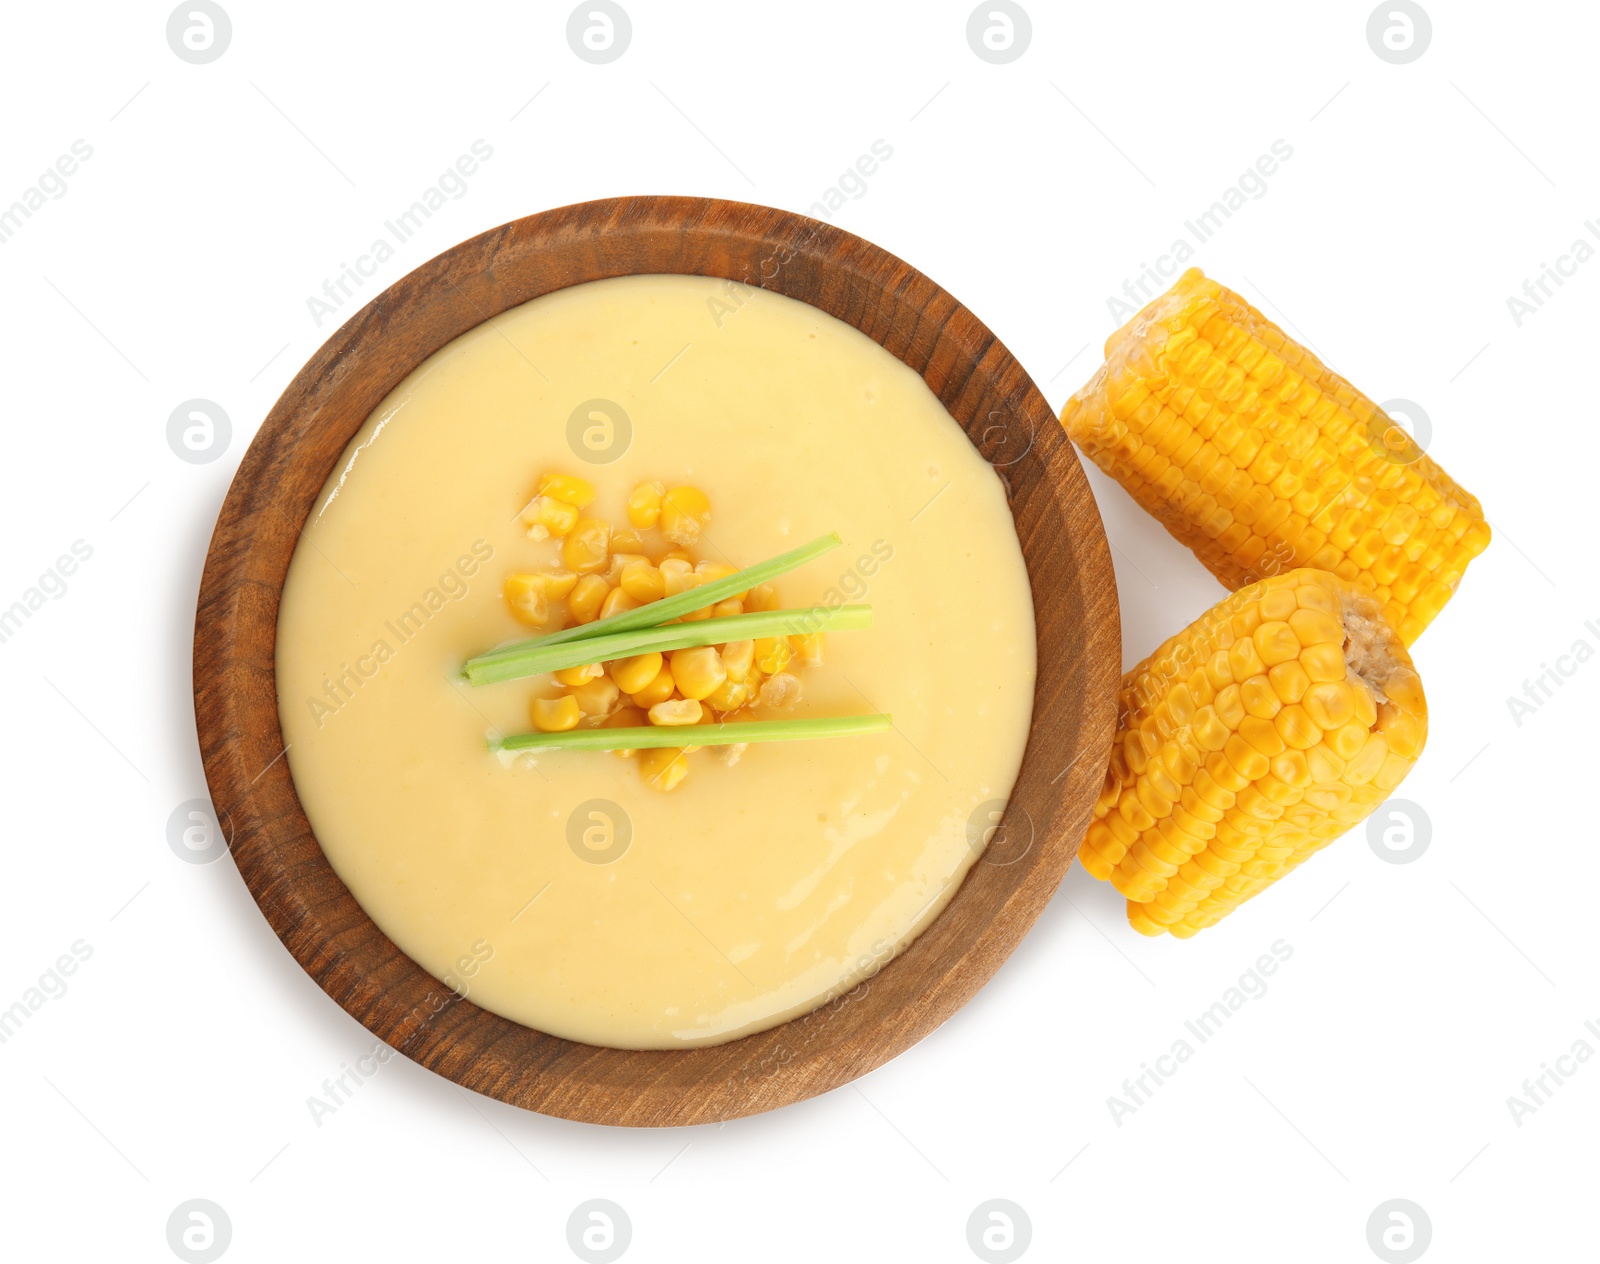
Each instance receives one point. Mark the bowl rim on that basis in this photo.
(1064, 546)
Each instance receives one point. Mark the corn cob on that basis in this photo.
(1269, 727)
(1261, 459)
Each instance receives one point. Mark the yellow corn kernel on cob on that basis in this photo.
(1258, 735)
(1261, 459)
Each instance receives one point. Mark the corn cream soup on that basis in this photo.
(558, 888)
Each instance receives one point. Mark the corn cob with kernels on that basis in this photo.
(1268, 728)
(1261, 459)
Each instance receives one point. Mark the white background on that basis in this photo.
(1418, 997)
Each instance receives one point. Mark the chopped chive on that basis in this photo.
(660, 611)
(696, 734)
(538, 656)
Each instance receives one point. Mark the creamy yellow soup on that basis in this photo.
(558, 889)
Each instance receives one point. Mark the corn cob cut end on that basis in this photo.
(1261, 459)
(1269, 727)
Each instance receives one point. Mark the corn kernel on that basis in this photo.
(737, 657)
(1209, 730)
(1331, 704)
(588, 595)
(644, 505)
(635, 673)
(729, 606)
(698, 671)
(730, 695)
(684, 512)
(1289, 681)
(567, 488)
(1264, 735)
(557, 584)
(676, 711)
(1316, 596)
(782, 690)
(620, 562)
(1405, 732)
(545, 516)
(1314, 627)
(808, 647)
(617, 601)
(1259, 697)
(1276, 641)
(762, 597)
(598, 697)
(1348, 739)
(1244, 658)
(556, 715)
(772, 654)
(677, 575)
(663, 767)
(1324, 662)
(575, 676)
(657, 690)
(710, 572)
(1278, 605)
(532, 596)
(587, 546)
(1366, 762)
(644, 582)
(1295, 726)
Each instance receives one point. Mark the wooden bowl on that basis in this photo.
(1074, 596)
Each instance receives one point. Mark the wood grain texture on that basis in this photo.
(1074, 595)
